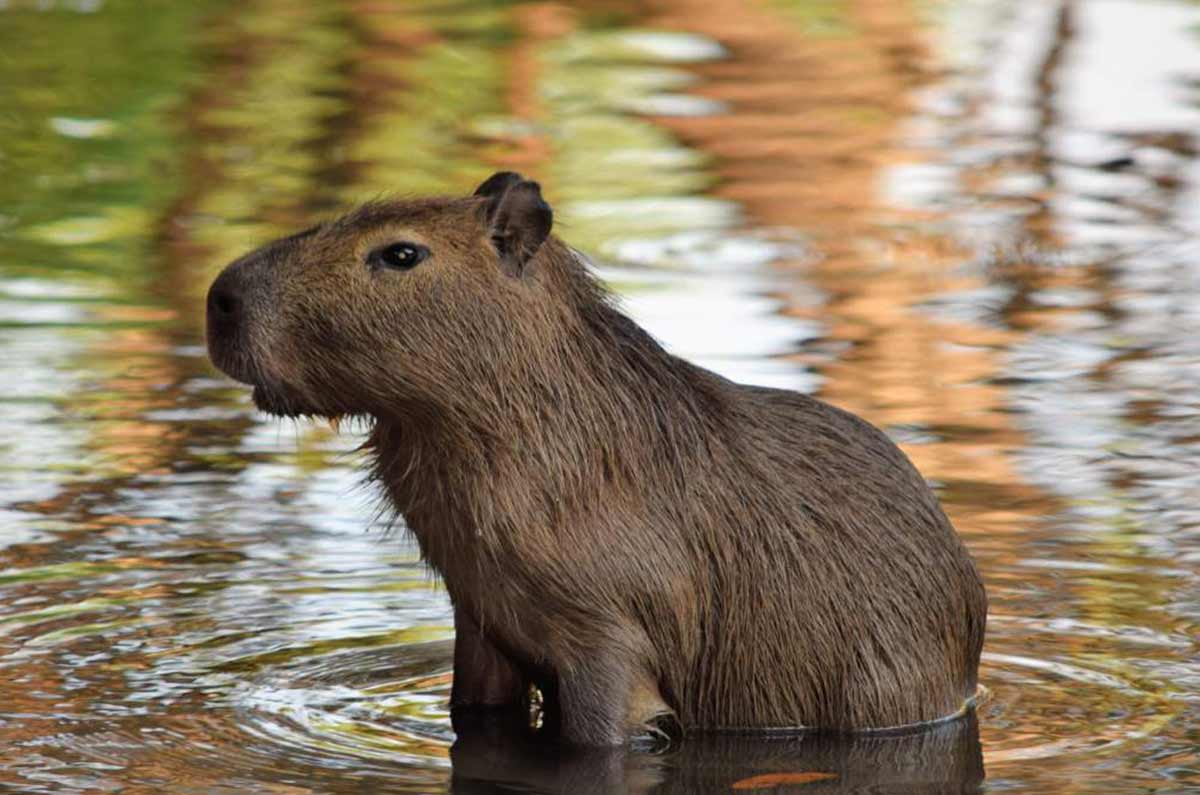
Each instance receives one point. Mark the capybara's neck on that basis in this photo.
(591, 412)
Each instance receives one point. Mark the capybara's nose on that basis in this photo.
(229, 324)
(225, 302)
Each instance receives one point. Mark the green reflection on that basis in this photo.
(87, 149)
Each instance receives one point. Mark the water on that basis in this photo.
(973, 222)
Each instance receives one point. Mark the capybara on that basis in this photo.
(652, 546)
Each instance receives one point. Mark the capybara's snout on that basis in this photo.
(224, 306)
(233, 318)
(224, 302)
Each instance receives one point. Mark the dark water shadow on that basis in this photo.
(493, 758)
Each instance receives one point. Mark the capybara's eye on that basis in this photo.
(400, 256)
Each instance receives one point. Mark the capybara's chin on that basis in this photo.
(269, 396)
(639, 540)
(281, 404)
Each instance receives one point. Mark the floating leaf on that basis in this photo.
(769, 780)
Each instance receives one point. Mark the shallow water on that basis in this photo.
(973, 222)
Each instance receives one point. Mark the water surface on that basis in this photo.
(974, 222)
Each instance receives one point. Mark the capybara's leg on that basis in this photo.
(483, 674)
(593, 701)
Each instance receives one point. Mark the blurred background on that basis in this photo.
(974, 222)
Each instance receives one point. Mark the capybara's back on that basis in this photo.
(642, 540)
(819, 534)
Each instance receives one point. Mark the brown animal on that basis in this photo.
(641, 539)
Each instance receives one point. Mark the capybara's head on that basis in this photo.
(397, 304)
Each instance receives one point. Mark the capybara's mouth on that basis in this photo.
(274, 401)
(269, 396)
(271, 402)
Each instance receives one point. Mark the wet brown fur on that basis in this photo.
(633, 534)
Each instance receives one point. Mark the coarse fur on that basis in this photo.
(641, 539)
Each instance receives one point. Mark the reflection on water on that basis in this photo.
(946, 759)
(972, 221)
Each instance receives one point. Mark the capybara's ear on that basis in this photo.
(494, 186)
(518, 218)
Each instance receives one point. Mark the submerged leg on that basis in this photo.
(609, 700)
(483, 675)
